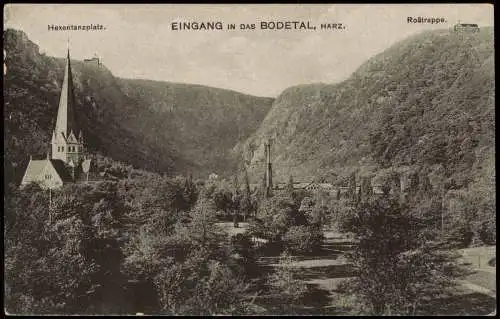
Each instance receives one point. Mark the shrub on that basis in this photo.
(303, 239)
(284, 282)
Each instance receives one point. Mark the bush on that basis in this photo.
(303, 239)
(284, 282)
(200, 287)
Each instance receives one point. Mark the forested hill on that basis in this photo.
(203, 123)
(425, 102)
(163, 127)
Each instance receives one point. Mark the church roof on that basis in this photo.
(66, 122)
(36, 167)
(61, 170)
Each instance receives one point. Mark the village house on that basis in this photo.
(466, 27)
(95, 61)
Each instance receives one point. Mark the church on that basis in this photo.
(66, 161)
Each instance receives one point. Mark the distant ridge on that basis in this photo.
(426, 102)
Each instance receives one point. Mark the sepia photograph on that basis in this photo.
(249, 159)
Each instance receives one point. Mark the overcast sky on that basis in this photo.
(139, 43)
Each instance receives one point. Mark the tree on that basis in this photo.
(289, 186)
(366, 189)
(316, 209)
(276, 217)
(390, 181)
(195, 277)
(199, 286)
(352, 189)
(190, 191)
(396, 263)
(246, 202)
(236, 204)
(306, 205)
(459, 214)
(425, 185)
(223, 200)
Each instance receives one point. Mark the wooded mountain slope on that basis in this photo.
(202, 123)
(158, 126)
(427, 102)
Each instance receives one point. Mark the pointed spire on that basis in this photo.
(66, 113)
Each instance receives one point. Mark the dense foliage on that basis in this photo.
(121, 246)
(399, 260)
(285, 226)
(62, 249)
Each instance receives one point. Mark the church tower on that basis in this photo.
(67, 138)
(66, 163)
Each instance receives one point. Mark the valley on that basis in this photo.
(371, 196)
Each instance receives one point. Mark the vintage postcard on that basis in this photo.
(237, 159)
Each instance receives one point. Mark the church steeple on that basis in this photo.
(67, 138)
(66, 113)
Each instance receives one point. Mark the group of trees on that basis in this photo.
(61, 249)
(190, 264)
(405, 241)
(141, 243)
(398, 259)
(232, 200)
(289, 221)
(464, 216)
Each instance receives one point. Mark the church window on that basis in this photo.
(62, 148)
